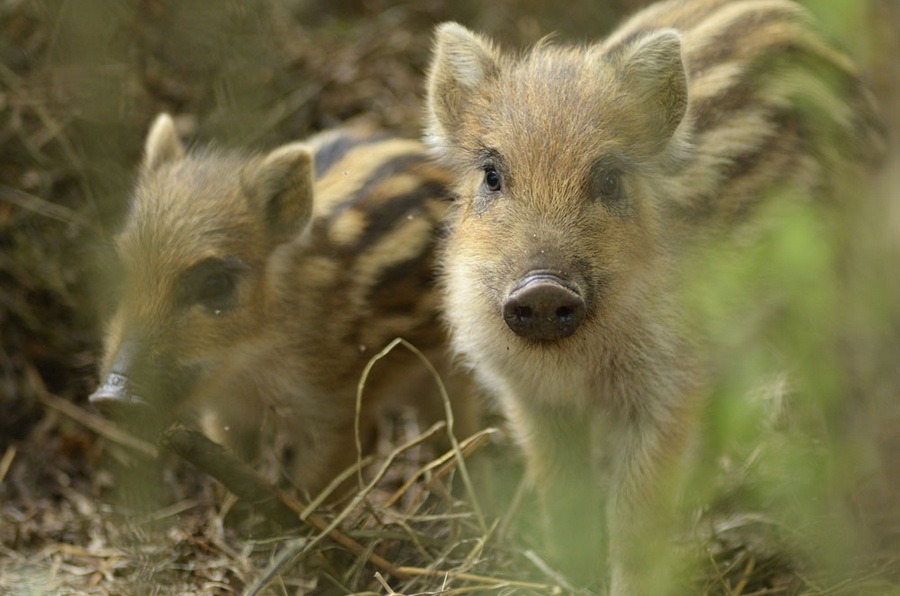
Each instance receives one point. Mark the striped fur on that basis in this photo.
(772, 101)
(600, 164)
(325, 248)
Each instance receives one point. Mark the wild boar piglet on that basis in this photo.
(255, 288)
(584, 174)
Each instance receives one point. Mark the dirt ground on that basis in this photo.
(79, 84)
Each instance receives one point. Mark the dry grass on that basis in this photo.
(85, 509)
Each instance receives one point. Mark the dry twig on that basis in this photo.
(99, 425)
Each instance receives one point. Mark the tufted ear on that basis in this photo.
(162, 145)
(653, 75)
(461, 62)
(281, 186)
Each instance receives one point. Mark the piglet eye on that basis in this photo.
(215, 291)
(607, 186)
(610, 185)
(492, 179)
(212, 283)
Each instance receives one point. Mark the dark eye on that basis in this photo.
(609, 185)
(212, 283)
(492, 179)
(216, 290)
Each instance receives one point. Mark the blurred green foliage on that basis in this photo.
(779, 438)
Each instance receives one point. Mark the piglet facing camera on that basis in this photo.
(586, 175)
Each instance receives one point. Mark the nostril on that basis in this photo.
(523, 313)
(565, 313)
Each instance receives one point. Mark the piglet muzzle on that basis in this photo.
(544, 307)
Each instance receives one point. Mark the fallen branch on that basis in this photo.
(101, 426)
(276, 505)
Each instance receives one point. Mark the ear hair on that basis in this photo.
(462, 61)
(281, 186)
(162, 145)
(652, 71)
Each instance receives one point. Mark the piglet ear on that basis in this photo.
(162, 145)
(462, 61)
(652, 73)
(281, 186)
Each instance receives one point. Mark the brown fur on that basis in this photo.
(256, 288)
(696, 108)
